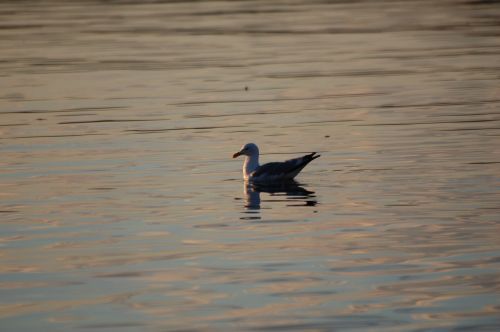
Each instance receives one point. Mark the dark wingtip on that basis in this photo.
(312, 156)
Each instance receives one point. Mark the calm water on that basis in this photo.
(122, 210)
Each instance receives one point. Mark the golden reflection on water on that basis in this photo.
(121, 209)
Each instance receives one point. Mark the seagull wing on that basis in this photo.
(282, 169)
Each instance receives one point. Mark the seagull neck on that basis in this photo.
(250, 165)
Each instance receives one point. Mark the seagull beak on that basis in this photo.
(237, 154)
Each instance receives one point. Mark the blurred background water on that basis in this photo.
(122, 210)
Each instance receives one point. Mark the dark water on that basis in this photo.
(122, 210)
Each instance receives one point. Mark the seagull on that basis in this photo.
(270, 172)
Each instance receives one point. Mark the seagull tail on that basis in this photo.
(312, 156)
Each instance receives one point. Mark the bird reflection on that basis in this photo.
(291, 191)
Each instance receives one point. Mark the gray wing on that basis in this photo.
(286, 167)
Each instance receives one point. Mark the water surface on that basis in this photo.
(122, 210)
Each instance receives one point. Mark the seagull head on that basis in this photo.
(249, 149)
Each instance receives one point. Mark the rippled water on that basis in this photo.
(122, 210)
